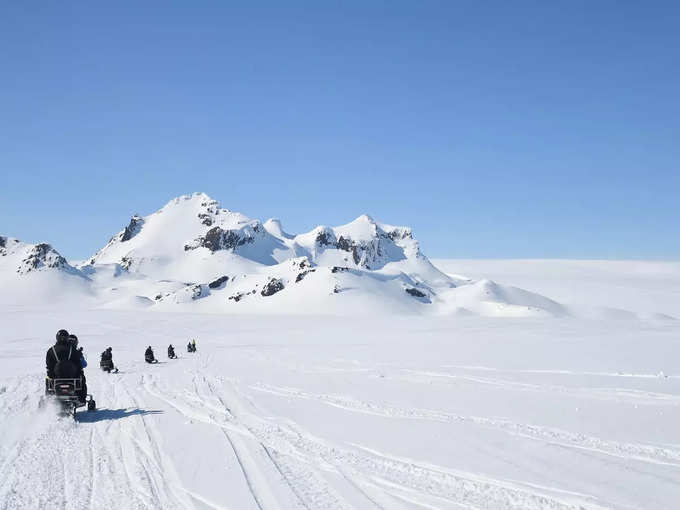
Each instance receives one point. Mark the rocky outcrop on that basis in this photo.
(126, 263)
(218, 238)
(206, 219)
(191, 292)
(132, 229)
(372, 253)
(42, 256)
(240, 295)
(273, 286)
(216, 284)
(415, 292)
(301, 275)
(197, 292)
(325, 237)
(3, 245)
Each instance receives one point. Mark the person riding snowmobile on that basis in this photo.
(64, 360)
(193, 345)
(73, 341)
(171, 352)
(106, 362)
(148, 355)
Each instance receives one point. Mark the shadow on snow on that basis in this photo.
(112, 414)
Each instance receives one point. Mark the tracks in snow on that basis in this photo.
(636, 451)
(307, 463)
(282, 465)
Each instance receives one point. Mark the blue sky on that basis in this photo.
(494, 129)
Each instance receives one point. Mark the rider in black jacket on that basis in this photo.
(63, 351)
(148, 355)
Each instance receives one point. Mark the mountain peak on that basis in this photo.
(32, 257)
(199, 198)
(274, 227)
(365, 218)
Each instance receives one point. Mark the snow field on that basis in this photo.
(321, 412)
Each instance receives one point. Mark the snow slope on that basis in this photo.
(325, 413)
(615, 287)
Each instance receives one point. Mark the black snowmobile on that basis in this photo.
(171, 352)
(106, 362)
(149, 357)
(66, 391)
(65, 378)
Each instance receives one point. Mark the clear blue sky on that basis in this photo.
(494, 129)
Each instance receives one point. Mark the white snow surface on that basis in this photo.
(321, 412)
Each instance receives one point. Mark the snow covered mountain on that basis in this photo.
(24, 257)
(194, 254)
(38, 274)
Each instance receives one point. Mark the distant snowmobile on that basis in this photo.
(106, 362)
(171, 352)
(191, 346)
(148, 356)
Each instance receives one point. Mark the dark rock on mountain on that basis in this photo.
(219, 239)
(301, 275)
(42, 255)
(206, 219)
(302, 263)
(197, 292)
(325, 238)
(345, 244)
(415, 292)
(399, 233)
(125, 263)
(240, 295)
(219, 282)
(132, 229)
(272, 287)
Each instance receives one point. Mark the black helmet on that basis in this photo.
(62, 336)
(109, 349)
(73, 340)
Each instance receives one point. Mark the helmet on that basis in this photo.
(62, 335)
(73, 340)
(109, 349)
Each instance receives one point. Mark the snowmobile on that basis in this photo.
(171, 352)
(107, 366)
(66, 391)
(149, 357)
(191, 347)
(106, 362)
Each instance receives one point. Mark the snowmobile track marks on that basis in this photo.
(634, 451)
